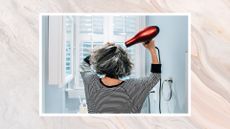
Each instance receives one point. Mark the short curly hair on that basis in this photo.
(112, 61)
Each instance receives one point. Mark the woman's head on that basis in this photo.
(112, 61)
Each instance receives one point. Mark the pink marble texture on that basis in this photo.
(19, 64)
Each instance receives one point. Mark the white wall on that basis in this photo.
(173, 43)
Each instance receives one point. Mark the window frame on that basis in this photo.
(57, 52)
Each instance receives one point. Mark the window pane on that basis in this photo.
(131, 25)
(125, 25)
(98, 22)
(85, 24)
(91, 24)
(85, 49)
(118, 25)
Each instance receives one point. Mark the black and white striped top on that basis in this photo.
(126, 97)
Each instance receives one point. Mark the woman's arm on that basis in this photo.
(151, 47)
(143, 85)
(85, 65)
(85, 69)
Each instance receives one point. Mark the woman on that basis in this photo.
(110, 94)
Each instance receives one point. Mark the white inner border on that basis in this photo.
(114, 14)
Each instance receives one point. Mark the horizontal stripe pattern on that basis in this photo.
(128, 97)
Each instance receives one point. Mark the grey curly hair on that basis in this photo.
(112, 61)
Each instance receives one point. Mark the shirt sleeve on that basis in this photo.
(87, 75)
(139, 88)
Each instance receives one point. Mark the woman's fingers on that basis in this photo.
(145, 45)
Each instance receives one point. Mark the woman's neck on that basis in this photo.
(111, 81)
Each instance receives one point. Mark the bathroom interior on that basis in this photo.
(67, 40)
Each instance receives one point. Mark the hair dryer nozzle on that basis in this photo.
(145, 35)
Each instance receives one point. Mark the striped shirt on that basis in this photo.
(126, 97)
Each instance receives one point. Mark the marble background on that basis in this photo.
(19, 62)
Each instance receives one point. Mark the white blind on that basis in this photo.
(91, 24)
(125, 25)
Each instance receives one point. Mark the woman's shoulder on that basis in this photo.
(89, 76)
(130, 83)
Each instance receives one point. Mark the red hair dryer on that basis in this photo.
(145, 35)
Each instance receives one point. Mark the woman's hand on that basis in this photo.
(151, 47)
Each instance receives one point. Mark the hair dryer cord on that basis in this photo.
(159, 58)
